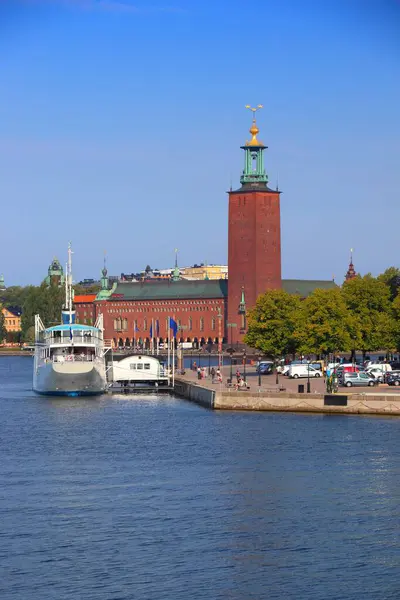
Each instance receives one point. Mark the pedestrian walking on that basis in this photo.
(212, 375)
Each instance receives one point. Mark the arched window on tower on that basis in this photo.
(201, 324)
(213, 324)
(190, 324)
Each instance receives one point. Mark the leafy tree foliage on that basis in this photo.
(44, 301)
(391, 277)
(3, 332)
(272, 323)
(368, 300)
(325, 325)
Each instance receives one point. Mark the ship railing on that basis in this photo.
(73, 358)
(76, 339)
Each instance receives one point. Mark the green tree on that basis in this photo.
(272, 323)
(325, 325)
(47, 302)
(368, 300)
(3, 332)
(391, 277)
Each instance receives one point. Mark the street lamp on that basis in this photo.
(209, 357)
(244, 364)
(308, 376)
(259, 371)
(231, 350)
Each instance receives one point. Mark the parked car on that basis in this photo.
(265, 367)
(302, 370)
(393, 378)
(385, 367)
(376, 373)
(350, 379)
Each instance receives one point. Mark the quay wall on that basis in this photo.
(195, 393)
(352, 403)
(388, 404)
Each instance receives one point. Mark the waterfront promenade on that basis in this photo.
(285, 395)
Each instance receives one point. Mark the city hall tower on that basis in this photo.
(254, 237)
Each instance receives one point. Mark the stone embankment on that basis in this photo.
(220, 398)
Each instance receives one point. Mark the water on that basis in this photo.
(153, 498)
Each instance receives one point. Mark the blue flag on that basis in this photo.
(173, 325)
(151, 330)
(137, 329)
(70, 333)
(158, 328)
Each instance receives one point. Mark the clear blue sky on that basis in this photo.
(121, 122)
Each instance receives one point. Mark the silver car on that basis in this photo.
(350, 379)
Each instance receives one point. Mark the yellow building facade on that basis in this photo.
(12, 322)
(205, 272)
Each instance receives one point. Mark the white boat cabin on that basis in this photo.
(139, 369)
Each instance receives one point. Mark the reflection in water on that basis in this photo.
(152, 497)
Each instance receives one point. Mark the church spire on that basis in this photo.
(254, 171)
(176, 274)
(351, 273)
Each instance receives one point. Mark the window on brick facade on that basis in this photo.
(145, 324)
(213, 324)
(201, 324)
(190, 324)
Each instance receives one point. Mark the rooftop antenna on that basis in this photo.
(176, 258)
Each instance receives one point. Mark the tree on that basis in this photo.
(3, 332)
(325, 324)
(368, 300)
(391, 277)
(47, 302)
(272, 323)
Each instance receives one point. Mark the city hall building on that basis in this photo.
(207, 310)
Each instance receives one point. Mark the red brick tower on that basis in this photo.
(254, 237)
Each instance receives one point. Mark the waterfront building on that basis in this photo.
(205, 271)
(207, 310)
(55, 274)
(12, 319)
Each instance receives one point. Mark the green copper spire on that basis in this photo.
(176, 274)
(254, 171)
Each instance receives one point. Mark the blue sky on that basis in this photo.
(121, 124)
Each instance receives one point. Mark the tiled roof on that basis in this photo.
(202, 288)
(84, 298)
(165, 290)
(304, 287)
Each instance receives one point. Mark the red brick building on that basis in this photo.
(207, 311)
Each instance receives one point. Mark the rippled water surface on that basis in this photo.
(153, 498)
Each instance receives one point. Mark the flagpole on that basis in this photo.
(168, 354)
(173, 359)
(134, 336)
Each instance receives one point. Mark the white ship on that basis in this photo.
(70, 357)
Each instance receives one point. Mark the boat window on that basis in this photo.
(133, 366)
(147, 366)
(140, 366)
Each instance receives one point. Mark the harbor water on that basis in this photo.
(152, 498)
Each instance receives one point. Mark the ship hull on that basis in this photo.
(70, 379)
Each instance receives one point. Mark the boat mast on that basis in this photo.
(68, 279)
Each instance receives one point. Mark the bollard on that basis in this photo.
(300, 388)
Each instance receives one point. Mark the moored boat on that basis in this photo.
(70, 357)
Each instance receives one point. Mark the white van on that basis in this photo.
(303, 370)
